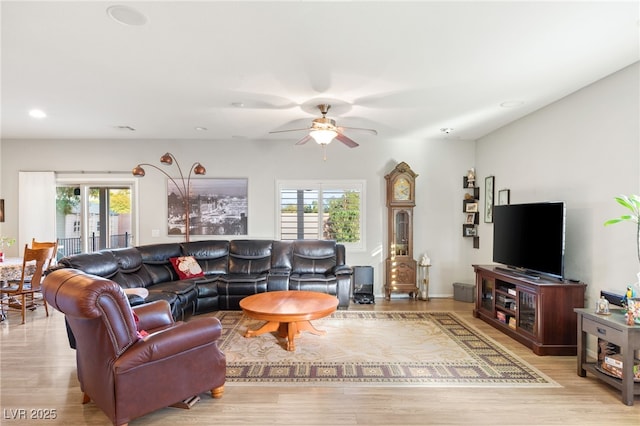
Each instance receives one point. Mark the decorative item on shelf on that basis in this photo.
(633, 311)
(5, 241)
(471, 207)
(629, 294)
(471, 178)
(602, 307)
(470, 231)
(184, 188)
(631, 304)
(631, 203)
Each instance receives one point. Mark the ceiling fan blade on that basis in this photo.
(372, 131)
(289, 130)
(252, 100)
(347, 141)
(304, 140)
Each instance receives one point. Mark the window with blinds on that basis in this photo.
(321, 210)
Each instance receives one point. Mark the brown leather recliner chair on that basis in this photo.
(126, 375)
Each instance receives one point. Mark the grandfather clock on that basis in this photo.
(401, 269)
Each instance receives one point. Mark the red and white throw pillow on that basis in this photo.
(186, 267)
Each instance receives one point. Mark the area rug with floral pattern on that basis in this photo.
(427, 349)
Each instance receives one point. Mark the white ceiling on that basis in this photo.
(407, 69)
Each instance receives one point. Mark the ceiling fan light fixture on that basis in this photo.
(323, 137)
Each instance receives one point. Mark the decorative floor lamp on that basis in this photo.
(185, 187)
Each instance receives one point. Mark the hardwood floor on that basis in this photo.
(38, 373)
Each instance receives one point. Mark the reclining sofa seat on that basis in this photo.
(320, 266)
(212, 257)
(249, 264)
(155, 258)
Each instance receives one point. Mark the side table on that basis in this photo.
(613, 329)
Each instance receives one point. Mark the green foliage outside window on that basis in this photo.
(326, 210)
(343, 224)
(66, 200)
(120, 201)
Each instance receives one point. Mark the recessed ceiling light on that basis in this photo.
(511, 104)
(126, 15)
(37, 113)
(237, 104)
(201, 129)
(446, 130)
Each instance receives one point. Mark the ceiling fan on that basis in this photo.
(323, 130)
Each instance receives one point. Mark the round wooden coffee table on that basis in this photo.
(288, 312)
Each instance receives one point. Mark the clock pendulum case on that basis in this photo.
(401, 268)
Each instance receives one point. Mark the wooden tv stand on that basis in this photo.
(537, 312)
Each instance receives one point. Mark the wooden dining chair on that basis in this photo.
(46, 244)
(20, 295)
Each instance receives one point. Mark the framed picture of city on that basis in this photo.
(215, 207)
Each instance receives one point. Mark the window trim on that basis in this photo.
(323, 185)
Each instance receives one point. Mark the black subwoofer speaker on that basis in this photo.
(362, 284)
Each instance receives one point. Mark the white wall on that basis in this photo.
(584, 149)
(440, 165)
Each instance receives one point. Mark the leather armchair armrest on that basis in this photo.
(154, 315)
(180, 338)
(343, 270)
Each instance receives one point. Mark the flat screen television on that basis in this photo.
(530, 238)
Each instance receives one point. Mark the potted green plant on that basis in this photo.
(632, 204)
(5, 241)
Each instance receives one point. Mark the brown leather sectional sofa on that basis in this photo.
(231, 270)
